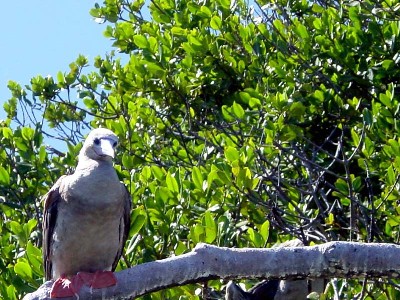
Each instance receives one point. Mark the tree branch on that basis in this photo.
(333, 259)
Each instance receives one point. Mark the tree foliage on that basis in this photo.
(240, 125)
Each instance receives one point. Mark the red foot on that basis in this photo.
(64, 287)
(99, 279)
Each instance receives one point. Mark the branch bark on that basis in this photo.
(334, 259)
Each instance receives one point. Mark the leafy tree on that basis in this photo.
(240, 125)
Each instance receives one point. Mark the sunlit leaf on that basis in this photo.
(23, 269)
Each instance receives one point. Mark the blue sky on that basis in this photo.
(41, 37)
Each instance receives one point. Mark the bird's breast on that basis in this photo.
(97, 190)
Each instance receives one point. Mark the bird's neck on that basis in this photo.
(90, 165)
(96, 171)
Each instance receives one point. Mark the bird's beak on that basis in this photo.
(106, 148)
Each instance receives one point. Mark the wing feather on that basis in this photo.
(51, 201)
(124, 226)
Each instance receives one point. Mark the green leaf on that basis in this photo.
(313, 296)
(388, 64)
(60, 78)
(90, 103)
(141, 41)
(330, 220)
(301, 30)
(155, 69)
(255, 237)
(213, 176)
(127, 161)
(244, 177)
(264, 231)
(160, 16)
(393, 220)
(16, 228)
(225, 4)
(297, 110)
(197, 177)
(205, 11)
(180, 248)
(226, 112)
(367, 116)
(231, 154)
(146, 173)
(11, 292)
(210, 227)
(221, 177)
(164, 194)
(357, 183)
(178, 31)
(34, 255)
(279, 26)
(196, 43)
(42, 154)
(29, 226)
(137, 224)
(391, 176)
(158, 172)
(197, 233)
(341, 185)
(355, 137)
(216, 23)
(81, 60)
(4, 176)
(7, 132)
(28, 133)
(385, 100)
(172, 184)
(238, 110)
(23, 269)
(395, 146)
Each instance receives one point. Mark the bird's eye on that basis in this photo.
(97, 141)
(115, 144)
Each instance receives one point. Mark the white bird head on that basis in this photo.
(100, 144)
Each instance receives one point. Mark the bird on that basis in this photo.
(275, 289)
(266, 290)
(86, 220)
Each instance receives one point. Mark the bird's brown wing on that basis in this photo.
(124, 226)
(51, 201)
